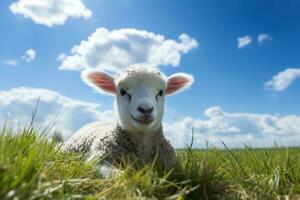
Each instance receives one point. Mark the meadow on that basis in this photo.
(33, 167)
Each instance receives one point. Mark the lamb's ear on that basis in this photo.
(178, 82)
(99, 80)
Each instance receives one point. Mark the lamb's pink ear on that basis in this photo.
(99, 80)
(178, 82)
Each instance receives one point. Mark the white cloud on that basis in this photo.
(10, 62)
(50, 12)
(61, 57)
(117, 49)
(283, 79)
(29, 55)
(235, 129)
(213, 111)
(68, 115)
(261, 38)
(244, 41)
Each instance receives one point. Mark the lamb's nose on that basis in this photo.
(145, 110)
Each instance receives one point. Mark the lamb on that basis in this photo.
(138, 133)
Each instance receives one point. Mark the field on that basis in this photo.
(32, 167)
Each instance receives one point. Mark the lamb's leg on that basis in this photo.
(107, 170)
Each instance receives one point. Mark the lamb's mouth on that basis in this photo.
(146, 120)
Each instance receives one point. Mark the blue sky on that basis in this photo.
(230, 81)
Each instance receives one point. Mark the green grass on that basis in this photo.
(32, 167)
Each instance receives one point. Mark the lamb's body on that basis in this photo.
(108, 140)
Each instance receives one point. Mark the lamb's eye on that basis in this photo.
(123, 92)
(161, 92)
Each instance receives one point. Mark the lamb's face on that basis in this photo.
(140, 93)
(140, 100)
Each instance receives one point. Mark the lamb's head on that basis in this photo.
(140, 92)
